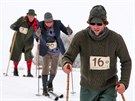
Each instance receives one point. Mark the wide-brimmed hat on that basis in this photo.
(48, 17)
(31, 12)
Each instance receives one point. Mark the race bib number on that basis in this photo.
(99, 63)
(23, 30)
(52, 45)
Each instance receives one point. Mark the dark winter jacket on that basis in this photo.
(24, 40)
(58, 26)
(93, 50)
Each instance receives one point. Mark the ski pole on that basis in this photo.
(67, 94)
(37, 57)
(72, 83)
(37, 67)
(12, 47)
(37, 51)
(37, 63)
(69, 40)
(123, 98)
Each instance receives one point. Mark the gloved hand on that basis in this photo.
(38, 32)
(69, 30)
(14, 27)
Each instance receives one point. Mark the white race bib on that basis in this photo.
(23, 30)
(99, 63)
(52, 45)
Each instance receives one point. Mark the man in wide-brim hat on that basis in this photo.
(25, 26)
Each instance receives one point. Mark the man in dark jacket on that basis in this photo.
(99, 48)
(51, 46)
(25, 26)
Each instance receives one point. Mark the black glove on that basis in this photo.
(69, 30)
(14, 27)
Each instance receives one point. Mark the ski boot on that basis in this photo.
(44, 81)
(50, 87)
(45, 93)
(16, 72)
(29, 74)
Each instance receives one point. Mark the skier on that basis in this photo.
(99, 48)
(25, 26)
(51, 46)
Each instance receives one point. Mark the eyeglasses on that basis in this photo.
(98, 24)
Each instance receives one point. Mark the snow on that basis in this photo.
(25, 88)
(121, 17)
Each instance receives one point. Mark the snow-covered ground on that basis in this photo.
(25, 88)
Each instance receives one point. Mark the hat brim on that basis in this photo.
(96, 20)
(48, 20)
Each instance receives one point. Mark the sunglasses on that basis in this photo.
(98, 24)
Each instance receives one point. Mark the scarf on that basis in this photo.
(33, 23)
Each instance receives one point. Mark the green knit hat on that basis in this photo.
(98, 11)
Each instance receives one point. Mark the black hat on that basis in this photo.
(31, 12)
(48, 17)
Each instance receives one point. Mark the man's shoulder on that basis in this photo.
(114, 34)
(57, 21)
(40, 23)
(81, 34)
(22, 18)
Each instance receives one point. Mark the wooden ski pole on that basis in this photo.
(67, 94)
(68, 75)
(123, 98)
(12, 47)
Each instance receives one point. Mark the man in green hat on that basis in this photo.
(25, 26)
(99, 47)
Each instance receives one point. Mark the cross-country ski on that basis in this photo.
(56, 94)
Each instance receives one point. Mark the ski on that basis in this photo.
(55, 94)
(50, 96)
(27, 76)
(33, 76)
